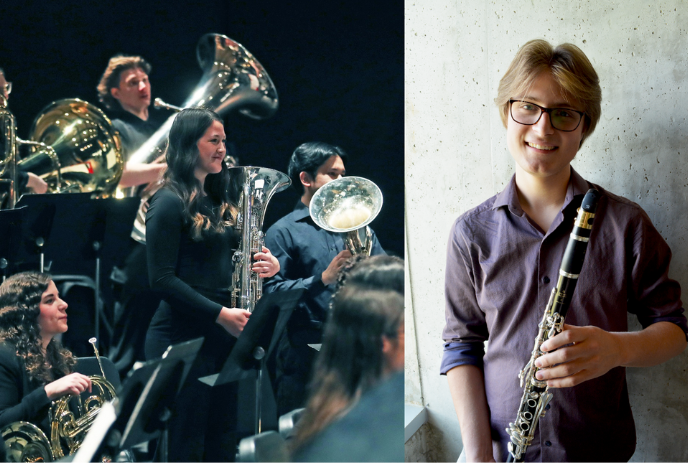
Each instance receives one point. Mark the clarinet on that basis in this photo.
(535, 393)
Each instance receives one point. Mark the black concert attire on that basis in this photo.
(20, 398)
(193, 278)
(135, 302)
(304, 251)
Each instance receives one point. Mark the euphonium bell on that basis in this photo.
(348, 205)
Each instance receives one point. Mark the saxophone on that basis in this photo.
(535, 393)
(258, 185)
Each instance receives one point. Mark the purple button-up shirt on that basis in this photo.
(501, 269)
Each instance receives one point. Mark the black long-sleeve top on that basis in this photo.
(193, 277)
(20, 398)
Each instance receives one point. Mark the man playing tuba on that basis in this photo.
(126, 91)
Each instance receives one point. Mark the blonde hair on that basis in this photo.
(570, 69)
(110, 79)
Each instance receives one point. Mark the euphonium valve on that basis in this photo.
(348, 205)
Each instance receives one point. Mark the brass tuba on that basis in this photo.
(86, 149)
(348, 205)
(232, 79)
(70, 419)
(258, 185)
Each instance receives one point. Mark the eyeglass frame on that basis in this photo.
(545, 110)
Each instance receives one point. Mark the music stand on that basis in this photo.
(74, 231)
(256, 343)
(10, 238)
(144, 402)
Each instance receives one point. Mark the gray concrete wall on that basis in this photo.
(456, 157)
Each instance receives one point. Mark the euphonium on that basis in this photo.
(70, 419)
(348, 205)
(232, 79)
(257, 184)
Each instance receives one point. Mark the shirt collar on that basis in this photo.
(301, 211)
(509, 197)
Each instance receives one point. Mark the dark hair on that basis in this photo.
(110, 79)
(182, 156)
(378, 272)
(351, 359)
(20, 298)
(308, 158)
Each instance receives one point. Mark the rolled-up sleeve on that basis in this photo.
(654, 297)
(465, 330)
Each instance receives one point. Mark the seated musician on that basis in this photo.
(310, 258)
(503, 260)
(26, 180)
(355, 409)
(34, 368)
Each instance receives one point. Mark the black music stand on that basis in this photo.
(10, 239)
(257, 341)
(145, 400)
(77, 232)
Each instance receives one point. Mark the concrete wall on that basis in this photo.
(456, 157)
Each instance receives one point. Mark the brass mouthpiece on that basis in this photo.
(160, 104)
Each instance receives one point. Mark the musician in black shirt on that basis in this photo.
(190, 240)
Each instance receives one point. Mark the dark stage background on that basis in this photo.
(337, 66)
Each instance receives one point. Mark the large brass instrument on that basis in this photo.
(232, 79)
(70, 419)
(348, 205)
(257, 184)
(8, 155)
(86, 145)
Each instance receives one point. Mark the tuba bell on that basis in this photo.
(232, 79)
(75, 149)
(258, 185)
(70, 419)
(348, 205)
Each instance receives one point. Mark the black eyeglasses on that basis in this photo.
(527, 113)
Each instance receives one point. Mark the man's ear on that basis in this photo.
(114, 91)
(305, 178)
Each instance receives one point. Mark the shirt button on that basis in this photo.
(548, 444)
(546, 279)
(547, 407)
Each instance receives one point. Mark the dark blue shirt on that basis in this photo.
(304, 251)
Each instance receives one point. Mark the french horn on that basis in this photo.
(70, 419)
(348, 205)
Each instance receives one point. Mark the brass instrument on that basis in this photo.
(232, 79)
(348, 205)
(8, 161)
(258, 185)
(70, 419)
(75, 148)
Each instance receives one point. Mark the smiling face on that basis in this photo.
(53, 316)
(134, 91)
(540, 150)
(211, 151)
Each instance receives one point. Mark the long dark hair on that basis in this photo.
(351, 359)
(182, 156)
(20, 298)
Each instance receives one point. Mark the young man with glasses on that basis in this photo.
(503, 261)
